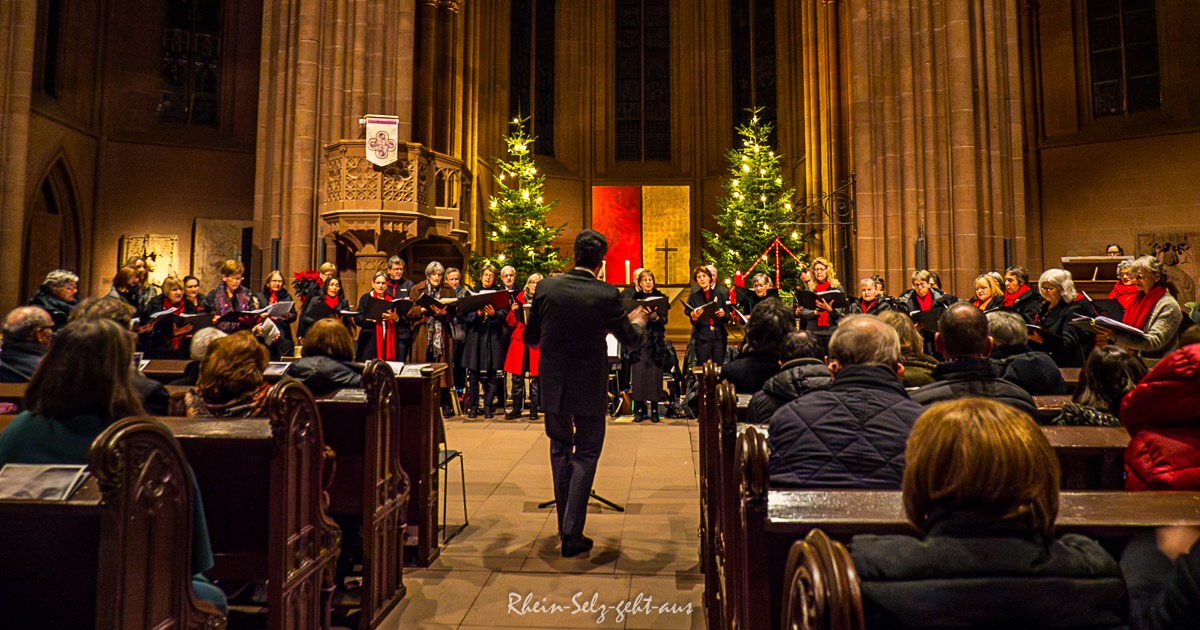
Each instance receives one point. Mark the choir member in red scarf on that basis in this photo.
(1125, 291)
(330, 303)
(870, 299)
(166, 339)
(923, 296)
(274, 292)
(378, 339)
(1155, 312)
(1019, 296)
(709, 336)
(823, 320)
(988, 295)
(521, 361)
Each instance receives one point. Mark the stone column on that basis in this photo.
(936, 118)
(426, 70)
(19, 21)
(366, 263)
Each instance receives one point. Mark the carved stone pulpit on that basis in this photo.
(374, 212)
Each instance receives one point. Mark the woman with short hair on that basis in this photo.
(432, 338)
(232, 296)
(870, 301)
(981, 484)
(648, 361)
(378, 339)
(57, 295)
(709, 336)
(1019, 296)
(1124, 291)
(168, 339)
(231, 380)
(125, 287)
(1155, 312)
(522, 360)
(328, 359)
(1052, 332)
(275, 291)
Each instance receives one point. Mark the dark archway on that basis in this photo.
(418, 254)
(51, 239)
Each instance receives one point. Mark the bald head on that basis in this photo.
(963, 333)
(24, 323)
(865, 340)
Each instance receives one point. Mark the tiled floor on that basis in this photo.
(505, 569)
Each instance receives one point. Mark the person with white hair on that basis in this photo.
(1051, 331)
(432, 340)
(1155, 312)
(57, 296)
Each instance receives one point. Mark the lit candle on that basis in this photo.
(628, 278)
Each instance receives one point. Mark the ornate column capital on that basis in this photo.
(452, 5)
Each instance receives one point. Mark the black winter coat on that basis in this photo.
(851, 435)
(322, 375)
(483, 348)
(59, 310)
(750, 370)
(18, 360)
(795, 379)
(961, 378)
(1067, 345)
(1035, 372)
(1027, 306)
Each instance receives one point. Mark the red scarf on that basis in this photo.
(1139, 314)
(385, 336)
(866, 307)
(822, 316)
(272, 297)
(178, 308)
(983, 306)
(706, 301)
(332, 302)
(1011, 298)
(925, 303)
(1126, 294)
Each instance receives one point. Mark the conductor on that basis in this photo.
(569, 319)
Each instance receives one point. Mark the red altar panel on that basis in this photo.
(617, 214)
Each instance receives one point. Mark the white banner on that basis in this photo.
(383, 139)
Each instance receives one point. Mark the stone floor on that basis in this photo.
(505, 570)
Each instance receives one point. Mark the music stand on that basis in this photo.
(592, 494)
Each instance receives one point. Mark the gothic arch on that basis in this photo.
(51, 236)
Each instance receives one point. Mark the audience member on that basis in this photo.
(152, 393)
(231, 380)
(851, 435)
(199, 348)
(981, 486)
(1034, 371)
(328, 359)
(768, 329)
(963, 340)
(1162, 414)
(1108, 375)
(57, 295)
(61, 418)
(803, 371)
(27, 334)
(918, 366)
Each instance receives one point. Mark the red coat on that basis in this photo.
(516, 347)
(1162, 415)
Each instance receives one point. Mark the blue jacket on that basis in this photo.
(851, 435)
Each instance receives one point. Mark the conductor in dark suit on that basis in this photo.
(570, 316)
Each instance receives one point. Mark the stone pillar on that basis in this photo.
(366, 263)
(19, 21)
(426, 65)
(935, 108)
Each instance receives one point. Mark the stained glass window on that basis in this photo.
(190, 70)
(1123, 56)
(642, 94)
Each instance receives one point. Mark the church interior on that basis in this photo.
(958, 136)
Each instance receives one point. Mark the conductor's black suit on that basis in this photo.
(570, 316)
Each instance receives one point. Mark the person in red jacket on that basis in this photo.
(521, 360)
(1162, 414)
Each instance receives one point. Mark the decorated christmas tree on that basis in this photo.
(757, 211)
(517, 213)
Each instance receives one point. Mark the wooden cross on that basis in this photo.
(666, 249)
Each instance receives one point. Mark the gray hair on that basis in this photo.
(396, 260)
(202, 339)
(1061, 280)
(508, 268)
(1124, 264)
(865, 340)
(1152, 265)
(433, 268)
(22, 322)
(1007, 329)
(59, 278)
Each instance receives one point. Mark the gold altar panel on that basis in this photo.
(667, 224)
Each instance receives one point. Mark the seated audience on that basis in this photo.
(1034, 371)
(1108, 375)
(1019, 296)
(918, 366)
(197, 351)
(231, 380)
(1155, 312)
(327, 361)
(27, 334)
(963, 340)
(803, 371)
(1068, 345)
(1177, 604)
(61, 418)
(981, 485)
(152, 393)
(57, 295)
(768, 329)
(870, 299)
(852, 434)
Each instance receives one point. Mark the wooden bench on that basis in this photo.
(363, 429)
(165, 370)
(769, 521)
(419, 392)
(262, 482)
(117, 555)
(1048, 407)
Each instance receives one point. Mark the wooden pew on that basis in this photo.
(708, 423)
(262, 482)
(769, 521)
(117, 555)
(1091, 458)
(1049, 407)
(1070, 376)
(165, 370)
(363, 428)
(821, 588)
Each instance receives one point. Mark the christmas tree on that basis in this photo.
(757, 210)
(516, 220)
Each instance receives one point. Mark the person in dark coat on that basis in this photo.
(923, 297)
(275, 291)
(851, 435)
(870, 301)
(569, 321)
(1035, 372)
(803, 371)
(982, 487)
(379, 339)
(1068, 345)
(918, 366)
(433, 337)
(709, 336)
(326, 271)
(768, 329)
(1019, 296)
(963, 340)
(483, 354)
(1109, 374)
(125, 288)
(331, 302)
(647, 361)
(398, 286)
(167, 339)
(57, 295)
(521, 361)
(823, 320)
(233, 296)
(153, 394)
(328, 361)
(27, 334)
